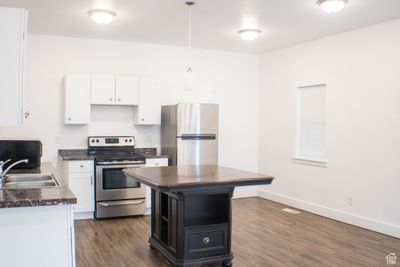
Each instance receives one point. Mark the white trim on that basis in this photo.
(297, 158)
(83, 215)
(248, 191)
(148, 211)
(309, 161)
(339, 215)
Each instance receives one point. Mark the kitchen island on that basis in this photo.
(191, 216)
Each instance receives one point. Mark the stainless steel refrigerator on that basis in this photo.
(189, 133)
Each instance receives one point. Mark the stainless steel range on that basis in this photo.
(116, 194)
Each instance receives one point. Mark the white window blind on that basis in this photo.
(311, 123)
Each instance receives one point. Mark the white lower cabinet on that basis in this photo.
(81, 182)
(37, 236)
(155, 162)
(80, 177)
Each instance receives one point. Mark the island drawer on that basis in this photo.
(206, 240)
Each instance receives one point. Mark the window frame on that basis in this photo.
(297, 157)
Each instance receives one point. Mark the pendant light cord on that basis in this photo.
(190, 4)
(190, 27)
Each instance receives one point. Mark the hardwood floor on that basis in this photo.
(263, 235)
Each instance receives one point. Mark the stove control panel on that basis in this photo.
(111, 141)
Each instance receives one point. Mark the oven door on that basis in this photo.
(113, 184)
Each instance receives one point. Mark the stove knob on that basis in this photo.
(92, 140)
(97, 140)
(130, 140)
(126, 140)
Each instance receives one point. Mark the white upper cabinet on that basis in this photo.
(148, 112)
(13, 25)
(111, 90)
(103, 90)
(77, 99)
(126, 90)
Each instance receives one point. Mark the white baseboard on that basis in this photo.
(83, 215)
(350, 218)
(247, 191)
(148, 211)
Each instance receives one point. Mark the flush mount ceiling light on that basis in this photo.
(331, 6)
(249, 34)
(102, 16)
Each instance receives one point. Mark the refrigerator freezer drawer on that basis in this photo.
(197, 151)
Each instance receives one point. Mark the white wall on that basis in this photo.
(230, 79)
(362, 72)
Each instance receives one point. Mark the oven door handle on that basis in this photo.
(121, 203)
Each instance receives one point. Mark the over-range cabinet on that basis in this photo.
(189, 133)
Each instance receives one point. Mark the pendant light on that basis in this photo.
(189, 76)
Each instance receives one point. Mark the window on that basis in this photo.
(311, 125)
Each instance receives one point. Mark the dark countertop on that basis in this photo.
(82, 154)
(178, 178)
(74, 154)
(11, 198)
(150, 153)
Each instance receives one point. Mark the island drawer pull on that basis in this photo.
(206, 240)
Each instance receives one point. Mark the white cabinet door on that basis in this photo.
(103, 90)
(148, 112)
(126, 90)
(157, 162)
(77, 99)
(13, 24)
(82, 185)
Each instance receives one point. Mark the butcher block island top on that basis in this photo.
(175, 178)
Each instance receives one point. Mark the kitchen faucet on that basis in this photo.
(3, 173)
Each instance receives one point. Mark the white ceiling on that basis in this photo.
(215, 22)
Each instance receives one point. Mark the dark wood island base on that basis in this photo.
(193, 227)
(191, 210)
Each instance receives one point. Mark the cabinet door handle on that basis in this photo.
(111, 99)
(119, 99)
(206, 240)
(91, 179)
(142, 119)
(69, 119)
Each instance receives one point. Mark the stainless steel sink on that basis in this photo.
(29, 177)
(30, 181)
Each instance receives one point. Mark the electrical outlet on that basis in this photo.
(350, 201)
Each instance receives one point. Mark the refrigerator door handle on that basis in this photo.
(198, 136)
